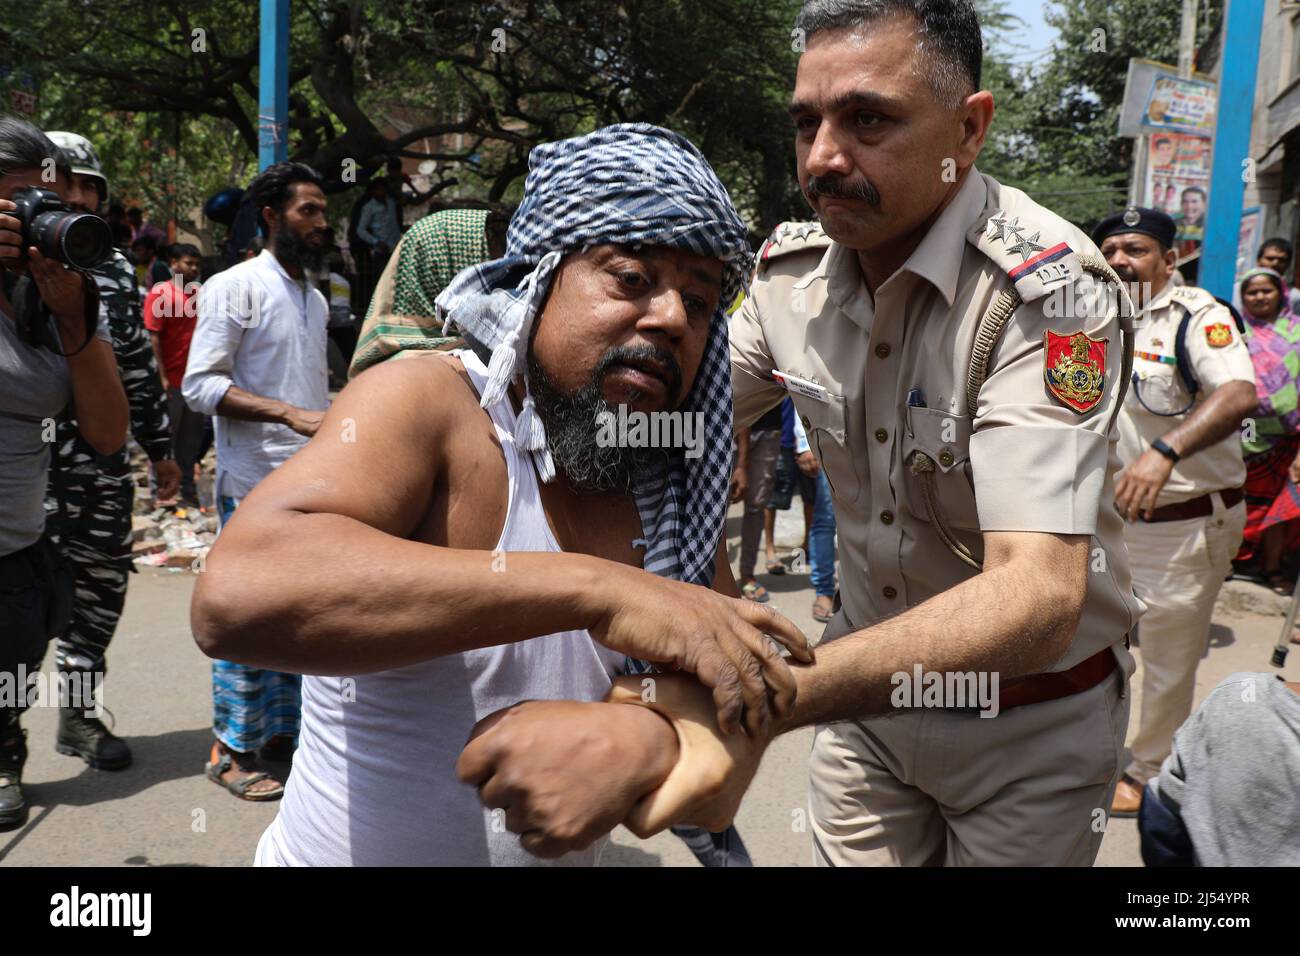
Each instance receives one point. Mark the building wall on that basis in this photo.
(1276, 116)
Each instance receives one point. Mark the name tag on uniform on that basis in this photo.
(802, 386)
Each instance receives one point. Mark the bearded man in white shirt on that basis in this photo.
(258, 365)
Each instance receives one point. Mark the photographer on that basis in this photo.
(90, 496)
(51, 353)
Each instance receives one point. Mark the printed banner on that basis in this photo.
(1179, 105)
(1178, 182)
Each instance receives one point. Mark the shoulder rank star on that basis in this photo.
(1001, 227)
(1025, 247)
(1218, 335)
(792, 231)
(1074, 367)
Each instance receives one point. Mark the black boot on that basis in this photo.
(88, 738)
(83, 735)
(13, 754)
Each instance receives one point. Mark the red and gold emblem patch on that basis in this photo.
(1074, 367)
(1218, 335)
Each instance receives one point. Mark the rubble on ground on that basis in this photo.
(170, 536)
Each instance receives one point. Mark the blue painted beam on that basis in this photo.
(1245, 20)
(273, 84)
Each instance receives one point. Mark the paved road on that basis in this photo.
(162, 811)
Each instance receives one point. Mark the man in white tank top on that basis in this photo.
(498, 513)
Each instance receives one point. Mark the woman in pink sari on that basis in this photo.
(1272, 447)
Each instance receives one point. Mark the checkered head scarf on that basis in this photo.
(630, 184)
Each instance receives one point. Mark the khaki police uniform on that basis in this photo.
(877, 383)
(1179, 565)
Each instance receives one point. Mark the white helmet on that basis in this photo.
(82, 157)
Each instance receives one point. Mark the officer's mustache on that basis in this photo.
(841, 188)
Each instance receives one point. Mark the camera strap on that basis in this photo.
(33, 320)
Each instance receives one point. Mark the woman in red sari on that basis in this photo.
(1272, 451)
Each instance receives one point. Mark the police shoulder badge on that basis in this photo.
(1218, 334)
(791, 237)
(1074, 367)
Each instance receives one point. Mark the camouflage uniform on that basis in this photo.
(97, 490)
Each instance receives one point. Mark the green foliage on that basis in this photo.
(470, 86)
(1066, 152)
(168, 89)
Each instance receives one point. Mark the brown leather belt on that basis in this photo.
(1201, 507)
(1038, 688)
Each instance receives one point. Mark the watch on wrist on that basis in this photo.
(1165, 450)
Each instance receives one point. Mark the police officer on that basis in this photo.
(971, 469)
(1180, 491)
(91, 497)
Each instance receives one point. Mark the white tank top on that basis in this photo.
(374, 779)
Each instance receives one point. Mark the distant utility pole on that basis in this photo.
(1187, 40)
(1243, 19)
(273, 84)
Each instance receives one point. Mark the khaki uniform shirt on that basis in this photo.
(875, 381)
(1217, 354)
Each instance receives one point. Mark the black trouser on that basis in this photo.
(189, 431)
(92, 527)
(24, 605)
(345, 337)
(375, 265)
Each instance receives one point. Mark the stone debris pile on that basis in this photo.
(175, 538)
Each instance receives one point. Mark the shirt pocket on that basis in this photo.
(1159, 388)
(942, 438)
(827, 428)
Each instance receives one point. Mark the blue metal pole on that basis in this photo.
(273, 84)
(1245, 20)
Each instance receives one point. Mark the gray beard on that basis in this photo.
(572, 423)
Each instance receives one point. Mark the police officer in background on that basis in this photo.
(91, 496)
(1180, 491)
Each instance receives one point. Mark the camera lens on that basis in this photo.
(74, 238)
(87, 240)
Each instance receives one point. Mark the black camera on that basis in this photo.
(77, 239)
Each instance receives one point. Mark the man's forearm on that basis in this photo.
(326, 594)
(98, 398)
(364, 233)
(1218, 417)
(1002, 621)
(742, 449)
(238, 403)
(155, 342)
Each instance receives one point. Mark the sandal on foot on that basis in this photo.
(753, 591)
(775, 567)
(823, 608)
(223, 762)
(1280, 583)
